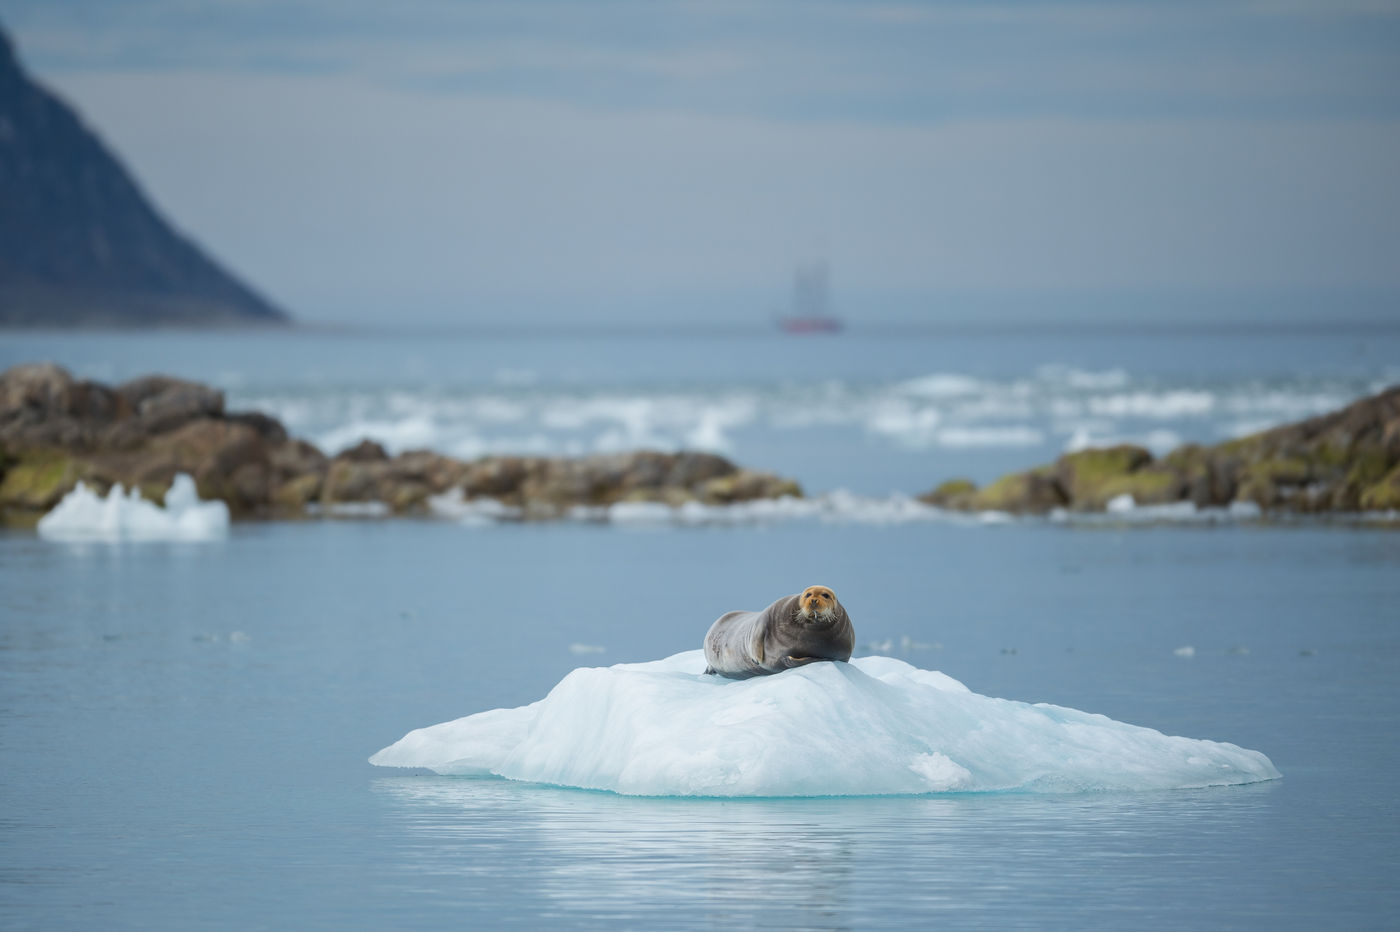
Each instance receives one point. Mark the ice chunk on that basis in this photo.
(1121, 504)
(874, 726)
(83, 515)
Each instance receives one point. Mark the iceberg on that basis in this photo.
(83, 515)
(871, 727)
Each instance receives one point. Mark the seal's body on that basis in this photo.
(795, 630)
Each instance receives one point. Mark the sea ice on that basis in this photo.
(83, 515)
(874, 726)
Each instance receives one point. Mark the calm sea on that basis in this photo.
(184, 727)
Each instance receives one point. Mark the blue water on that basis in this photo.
(183, 728)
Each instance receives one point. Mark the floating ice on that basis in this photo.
(1124, 509)
(372, 509)
(84, 515)
(874, 726)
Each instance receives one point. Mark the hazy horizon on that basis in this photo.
(441, 165)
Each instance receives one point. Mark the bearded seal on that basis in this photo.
(795, 630)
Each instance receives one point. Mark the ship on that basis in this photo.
(811, 307)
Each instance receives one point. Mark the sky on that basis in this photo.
(500, 164)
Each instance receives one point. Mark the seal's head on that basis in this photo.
(817, 603)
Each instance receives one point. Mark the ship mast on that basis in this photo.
(810, 289)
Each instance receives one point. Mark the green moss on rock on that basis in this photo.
(1091, 477)
(39, 480)
(1151, 486)
(955, 493)
(1271, 481)
(1036, 491)
(296, 493)
(1383, 495)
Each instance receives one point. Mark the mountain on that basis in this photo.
(80, 244)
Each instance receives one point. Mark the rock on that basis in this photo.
(228, 460)
(293, 459)
(293, 495)
(267, 427)
(1089, 478)
(746, 485)
(1342, 461)
(955, 493)
(349, 480)
(498, 477)
(1383, 495)
(689, 470)
(366, 451)
(1034, 492)
(55, 430)
(37, 390)
(41, 403)
(165, 402)
(38, 482)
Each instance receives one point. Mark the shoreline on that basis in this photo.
(57, 430)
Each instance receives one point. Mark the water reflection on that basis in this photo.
(567, 855)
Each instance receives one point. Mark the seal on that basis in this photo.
(793, 631)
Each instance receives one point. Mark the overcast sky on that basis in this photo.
(461, 163)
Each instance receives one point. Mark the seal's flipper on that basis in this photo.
(709, 670)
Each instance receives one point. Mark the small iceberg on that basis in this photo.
(83, 515)
(874, 726)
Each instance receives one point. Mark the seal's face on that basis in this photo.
(817, 603)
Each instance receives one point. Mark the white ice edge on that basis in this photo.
(874, 726)
(83, 515)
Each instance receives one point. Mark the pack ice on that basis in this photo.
(85, 515)
(873, 726)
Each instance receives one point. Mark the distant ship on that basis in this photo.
(811, 309)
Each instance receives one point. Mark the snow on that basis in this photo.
(874, 726)
(83, 515)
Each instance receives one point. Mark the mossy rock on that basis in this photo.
(1383, 495)
(1036, 491)
(1329, 455)
(785, 488)
(351, 481)
(1272, 481)
(1189, 461)
(1085, 475)
(1155, 485)
(40, 480)
(154, 491)
(296, 493)
(746, 485)
(408, 496)
(1369, 465)
(955, 493)
(674, 496)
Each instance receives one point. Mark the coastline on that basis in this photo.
(56, 430)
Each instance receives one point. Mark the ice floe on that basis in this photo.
(83, 515)
(874, 726)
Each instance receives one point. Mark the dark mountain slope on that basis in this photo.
(79, 242)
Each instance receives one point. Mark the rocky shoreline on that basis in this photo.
(56, 430)
(1341, 462)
